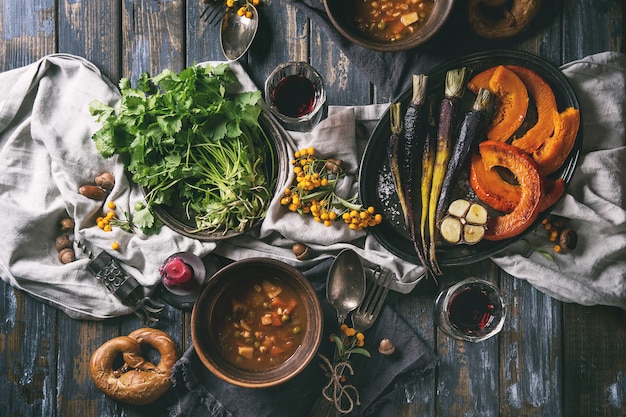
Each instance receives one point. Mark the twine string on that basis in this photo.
(337, 392)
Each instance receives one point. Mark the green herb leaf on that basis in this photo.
(361, 351)
(186, 139)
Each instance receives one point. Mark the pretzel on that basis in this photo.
(138, 381)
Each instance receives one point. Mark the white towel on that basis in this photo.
(595, 272)
(46, 154)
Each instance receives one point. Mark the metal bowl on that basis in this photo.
(340, 13)
(174, 217)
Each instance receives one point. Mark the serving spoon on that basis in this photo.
(345, 283)
(238, 32)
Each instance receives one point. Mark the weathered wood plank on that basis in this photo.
(468, 377)
(203, 39)
(28, 346)
(28, 32)
(77, 394)
(594, 361)
(153, 37)
(28, 341)
(345, 85)
(91, 29)
(530, 352)
(283, 36)
(603, 18)
(417, 309)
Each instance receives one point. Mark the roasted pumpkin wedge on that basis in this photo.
(552, 191)
(491, 188)
(501, 195)
(494, 153)
(555, 150)
(545, 103)
(542, 96)
(511, 102)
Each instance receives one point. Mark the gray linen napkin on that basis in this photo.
(199, 393)
(46, 154)
(595, 204)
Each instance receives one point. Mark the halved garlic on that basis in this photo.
(465, 222)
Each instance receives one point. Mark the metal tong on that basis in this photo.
(123, 285)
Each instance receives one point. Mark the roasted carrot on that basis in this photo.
(472, 127)
(428, 165)
(448, 110)
(415, 128)
(393, 157)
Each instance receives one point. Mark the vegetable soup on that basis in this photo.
(259, 323)
(390, 20)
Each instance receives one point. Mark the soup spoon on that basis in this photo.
(238, 32)
(345, 284)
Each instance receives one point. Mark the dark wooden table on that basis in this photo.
(551, 359)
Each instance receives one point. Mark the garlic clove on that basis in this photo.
(451, 229)
(477, 214)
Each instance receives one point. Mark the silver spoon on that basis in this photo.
(238, 32)
(345, 284)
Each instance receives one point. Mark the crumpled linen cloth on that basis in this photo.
(595, 203)
(46, 154)
(379, 379)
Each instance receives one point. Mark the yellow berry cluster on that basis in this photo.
(110, 220)
(104, 222)
(351, 337)
(243, 6)
(564, 239)
(313, 192)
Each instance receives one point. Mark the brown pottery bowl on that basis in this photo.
(229, 329)
(341, 15)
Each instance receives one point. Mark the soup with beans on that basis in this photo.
(259, 323)
(390, 20)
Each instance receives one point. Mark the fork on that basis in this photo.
(366, 314)
(362, 319)
(213, 11)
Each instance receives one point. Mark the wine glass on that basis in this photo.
(470, 310)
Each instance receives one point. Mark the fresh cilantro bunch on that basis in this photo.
(191, 144)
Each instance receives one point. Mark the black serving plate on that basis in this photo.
(376, 185)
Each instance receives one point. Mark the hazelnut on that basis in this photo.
(66, 224)
(62, 242)
(333, 165)
(93, 192)
(66, 255)
(105, 180)
(568, 239)
(301, 251)
(385, 347)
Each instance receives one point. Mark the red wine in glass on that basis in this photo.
(294, 96)
(471, 310)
